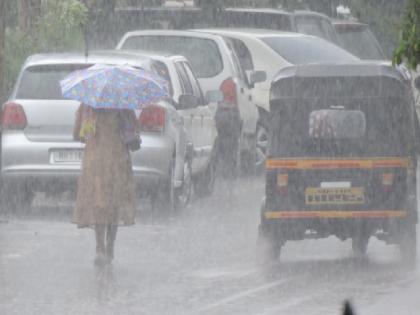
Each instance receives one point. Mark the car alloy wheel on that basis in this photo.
(261, 145)
(183, 194)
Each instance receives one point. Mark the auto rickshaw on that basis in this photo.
(342, 158)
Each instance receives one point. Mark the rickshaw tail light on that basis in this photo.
(153, 118)
(13, 116)
(228, 89)
(387, 181)
(282, 183)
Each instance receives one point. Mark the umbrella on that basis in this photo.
(114, 87)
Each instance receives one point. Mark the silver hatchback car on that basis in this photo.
(39, 153)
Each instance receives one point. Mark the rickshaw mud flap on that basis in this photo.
(336, 214)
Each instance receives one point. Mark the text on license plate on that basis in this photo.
(66, 156)
(334, 196)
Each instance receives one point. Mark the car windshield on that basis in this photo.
(42, 82)
(361, 43)
(306, 49)
(319, 27)
(257, 20)
(203, 54)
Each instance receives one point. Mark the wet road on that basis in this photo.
(200, 263)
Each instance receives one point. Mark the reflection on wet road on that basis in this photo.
(200, 263)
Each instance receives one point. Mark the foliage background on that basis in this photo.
(409, 46)
(58, 28)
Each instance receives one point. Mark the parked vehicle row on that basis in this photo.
(187, 17)
(217, 67)
(219, 81)
(242, 60)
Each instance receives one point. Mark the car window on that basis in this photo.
(243, 54)
(183, 78)
(306, 49)
(160, 68)
(316, 27)
(257, 20)
(239, 72)
(361, 43)
(43, 82)
(202, 53)
(194, 83)
(329, 31)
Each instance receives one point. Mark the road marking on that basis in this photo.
(242, 295)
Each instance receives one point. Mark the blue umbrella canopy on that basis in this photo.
(114, 87)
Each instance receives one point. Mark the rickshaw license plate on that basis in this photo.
(66, 156)
(334, 196)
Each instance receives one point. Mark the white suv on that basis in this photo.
(273, 51)
(217, 68)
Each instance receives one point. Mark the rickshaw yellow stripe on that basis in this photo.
(338, 163)
(335, 214)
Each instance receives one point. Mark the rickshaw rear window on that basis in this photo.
(376, 128)
(337, 124)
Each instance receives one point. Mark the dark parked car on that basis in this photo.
(306, 22)
(358, 39)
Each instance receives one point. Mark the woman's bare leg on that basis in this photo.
(111, 235)
(100, 244)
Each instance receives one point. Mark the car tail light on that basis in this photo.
(228, 89)
(282, 182)
(387, 181)
(153, 118)
(13, 116)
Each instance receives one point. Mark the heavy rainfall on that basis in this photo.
(209, 157)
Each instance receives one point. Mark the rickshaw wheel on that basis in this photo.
(268, 247)
(359, 245)
(408, 243)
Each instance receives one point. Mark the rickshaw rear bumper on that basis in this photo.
(298, 225)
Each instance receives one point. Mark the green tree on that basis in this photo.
(59, 27)
(409, 45)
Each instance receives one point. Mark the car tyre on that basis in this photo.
(408, 243)
(268, 247)
(248, 160)
(204, 183)
(261, 144)
(16, 198)
(183, 194)
(229, 156)
(163, 201)
(359, 245)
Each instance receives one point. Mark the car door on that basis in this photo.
(203, 120)
(243, 62)
(191, 117)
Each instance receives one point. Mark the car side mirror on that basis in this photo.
(256, 77)
(187, 101)
(214, 96)
(417, 83)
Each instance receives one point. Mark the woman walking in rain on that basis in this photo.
(105, 197)
(107, 123)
